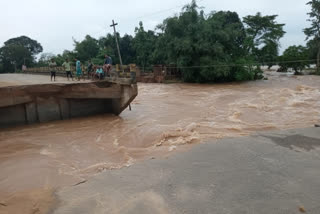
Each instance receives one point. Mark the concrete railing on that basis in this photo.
(126, 76)
(125, 72)
(59, 70)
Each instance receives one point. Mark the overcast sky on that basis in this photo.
(53, 23)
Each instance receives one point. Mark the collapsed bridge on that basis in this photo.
(30, 102)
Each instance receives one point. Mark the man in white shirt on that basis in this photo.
(67, 68)
(53, 66)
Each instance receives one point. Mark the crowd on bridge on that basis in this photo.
(93, 71)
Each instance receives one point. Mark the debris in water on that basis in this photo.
(301, 209)
(3, 204)
(171, 148)
(81, 182)
(159, 144)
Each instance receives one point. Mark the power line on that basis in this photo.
(238, 65)
(165, 10)
(149, 15)
(214, 65)
(248, 64)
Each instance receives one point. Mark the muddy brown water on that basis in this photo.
(37, 159)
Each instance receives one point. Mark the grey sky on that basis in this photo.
(54, 23)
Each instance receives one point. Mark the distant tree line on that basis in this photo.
(214, 47)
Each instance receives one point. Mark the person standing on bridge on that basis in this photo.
(67, 68)
(107, 65)
(90, 69)
(78, 69)
(52, 66)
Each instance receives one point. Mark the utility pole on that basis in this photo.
(115, 35)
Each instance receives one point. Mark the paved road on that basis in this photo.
(29, 79)
(269, 173)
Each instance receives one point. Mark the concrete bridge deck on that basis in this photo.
(27, 99)
(27, 79)
(30, 79)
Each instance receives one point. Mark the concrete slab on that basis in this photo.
(29, 79)
(37, 99)
(9, 116)
(267, 173)
(33, 79)
(48, 109)
(31, 113)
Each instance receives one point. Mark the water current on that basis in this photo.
(165, 118)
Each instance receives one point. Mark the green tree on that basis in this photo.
(312, 49)
(313, 32)
(143, 44)
(263, 35)
(1, 67)
(18, 51)
(31, 45)
(108, 47)
(208, 48)
(86, 49)
(127, 50)
(71, 55)
(14, 56)
(214, 47)
(294, 57)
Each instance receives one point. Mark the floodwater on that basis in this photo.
(37, 159)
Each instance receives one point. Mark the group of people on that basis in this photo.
(94, 71)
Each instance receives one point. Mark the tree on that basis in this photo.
(14, 56)
(1, 68)
(294, 57)
(19, 51)
(143, 43)
(312, 49)
(214, 47)
(108, 47)
(128, 53)
(313, 32)
(86, 49)
(263, 35)
(207, 48)
(31, 45)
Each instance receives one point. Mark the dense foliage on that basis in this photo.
(214, 47)
(18, 51)
(295, 57)
(313, 32)
(263, 35)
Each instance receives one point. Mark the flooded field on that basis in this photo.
(34, 160)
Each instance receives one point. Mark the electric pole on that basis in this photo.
(115, 35)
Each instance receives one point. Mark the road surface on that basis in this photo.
(276, 172)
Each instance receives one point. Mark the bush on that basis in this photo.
(294, 57)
